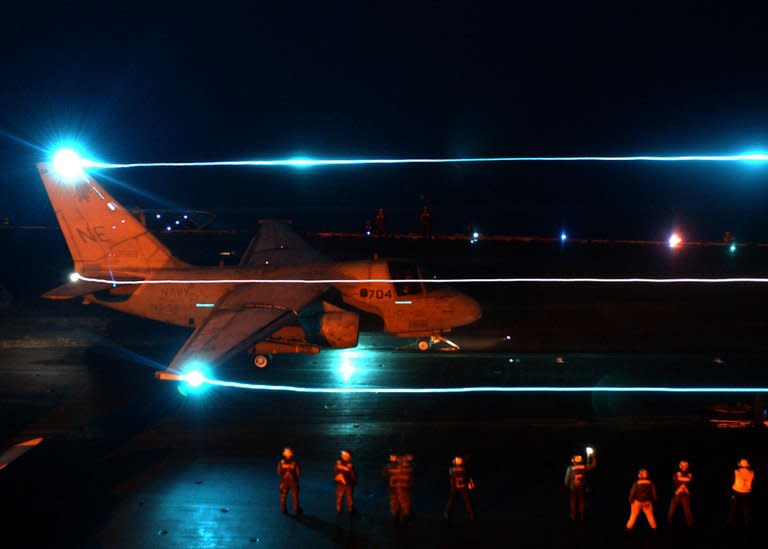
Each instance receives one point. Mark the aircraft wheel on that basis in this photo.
(260, 361)
(423, 345)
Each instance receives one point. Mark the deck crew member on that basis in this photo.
(641, 498)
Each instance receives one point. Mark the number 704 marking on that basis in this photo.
(375, 294)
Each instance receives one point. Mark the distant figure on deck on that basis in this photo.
(289, 472)
(425, 222)
(379, 222)
(345, 479)
(740, 492)
(461, 484)
(641, 498)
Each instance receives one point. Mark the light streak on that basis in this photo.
(21, 141)
(319, 162)
(479, 389)
(515, 280)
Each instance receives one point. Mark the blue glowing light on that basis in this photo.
(67, 165)
(732, 247)
(301, 162)
(347, 365)
(563, 236)
(195, 379)
(675, 241)
(157, 216)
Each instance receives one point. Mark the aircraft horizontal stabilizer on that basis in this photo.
(70, 290)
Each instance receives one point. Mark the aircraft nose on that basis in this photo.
(470, 310)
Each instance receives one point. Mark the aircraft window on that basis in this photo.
(404, 270)
(427, 274)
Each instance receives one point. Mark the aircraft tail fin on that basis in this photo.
(102, 236)
(278, 245)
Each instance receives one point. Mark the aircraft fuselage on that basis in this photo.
(407, 309)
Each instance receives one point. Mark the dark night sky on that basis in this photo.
(154, 82)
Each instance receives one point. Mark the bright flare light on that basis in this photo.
(74, 277)
(68, 165)
(675, 241)
(346, 365)
(195, 378)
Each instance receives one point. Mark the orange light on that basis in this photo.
(168, 376)
(31, 442)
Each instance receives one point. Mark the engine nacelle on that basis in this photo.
(336, 329)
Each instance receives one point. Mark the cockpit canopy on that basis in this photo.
(403, 270)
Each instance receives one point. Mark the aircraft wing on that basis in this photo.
(245, 315)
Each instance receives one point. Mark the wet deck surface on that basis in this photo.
(129, 462)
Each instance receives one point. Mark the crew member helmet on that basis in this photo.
(683, 465)
(346, 455)
(287, 453)
(642, 473)
(577, 459)
(458, 460)
(743, 462)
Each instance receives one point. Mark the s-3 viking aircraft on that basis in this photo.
(264, 315)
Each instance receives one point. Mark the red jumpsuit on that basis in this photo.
(460, 482)
(682, 497)
(345, 479)
(576, 482)
(289, 472)
(399, 477)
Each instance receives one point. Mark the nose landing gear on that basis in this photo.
(426, 343)
(260, 361)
